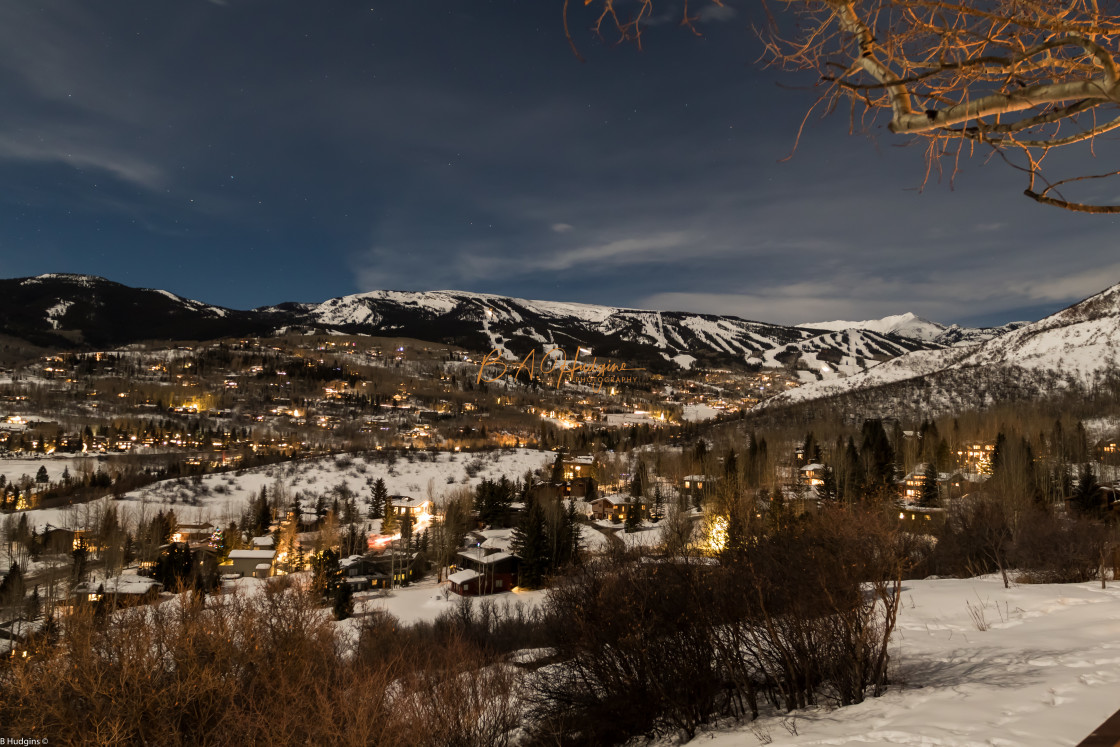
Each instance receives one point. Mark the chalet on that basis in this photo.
(615, 507)
(921, 520)
(61, 539)
(914, 483)
(579, 466)
(249, 563)
(121, 590)
(579, 488)
(812, 475)
(192, 532)
(697, 487)
(380, 570)
(482, 571)
(1107, 500)
(415, 507)
(976, 457)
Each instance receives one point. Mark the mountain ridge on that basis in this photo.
(71, 310)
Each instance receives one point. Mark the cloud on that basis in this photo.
(561, 227)
(81, 151)
(1070, 288)
(668, 246)
(716, 13)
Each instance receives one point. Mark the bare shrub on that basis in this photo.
(267, 669)
(798, 616)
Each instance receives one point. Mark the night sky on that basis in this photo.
(249, 152)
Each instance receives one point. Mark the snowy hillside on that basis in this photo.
(1044, 672)
(906, 325)
(1078, 345)
(915, 328)
(515, 326)
(1081, 342)
(218, 498)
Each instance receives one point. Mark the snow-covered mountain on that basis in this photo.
(1077, 346)
(81, 310)
(515, 326)
(914, 327)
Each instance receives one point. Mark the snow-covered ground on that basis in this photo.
(426, 600)
(1046, 672)
(698, 412)
(14, 469)
(218, 498)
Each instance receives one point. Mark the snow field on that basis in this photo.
(1044, 672)
(220, 498)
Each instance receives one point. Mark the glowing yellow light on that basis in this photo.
(717, 534)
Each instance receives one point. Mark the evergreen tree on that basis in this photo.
(390, 522)
(929, 496)
(1086, 497)
(778, 511)
(995, 462)
(407, 521)
(826, 491)
(326, 572)
(877, 459)
(41, 476)
(12, 587)
(173, 568)
(737, 535)
(34, 604)
(343, 601)
(574, 546)
(852, 482)
(558, 468)
(657, 511)
(634, 513)
(378, 494)
(530, 543)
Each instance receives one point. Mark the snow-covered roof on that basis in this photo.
(406, 502)
(495, 557)
(462, 577)
(474, 553)
(252, 554)
(498, 543)
(265, 541)
(812, 467)
(123, 584)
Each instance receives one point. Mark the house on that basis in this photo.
(415, 507)
(483, 571)
(697, 487)
(249, 563)
(380, 570)
(1107, 500)
(577, 467)
(976, 457)
(615, 507)
(914, 483)
(919, 520)
(63, 540)
(812, 475)
(578, 487)
(122, 590)
(192, 532)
